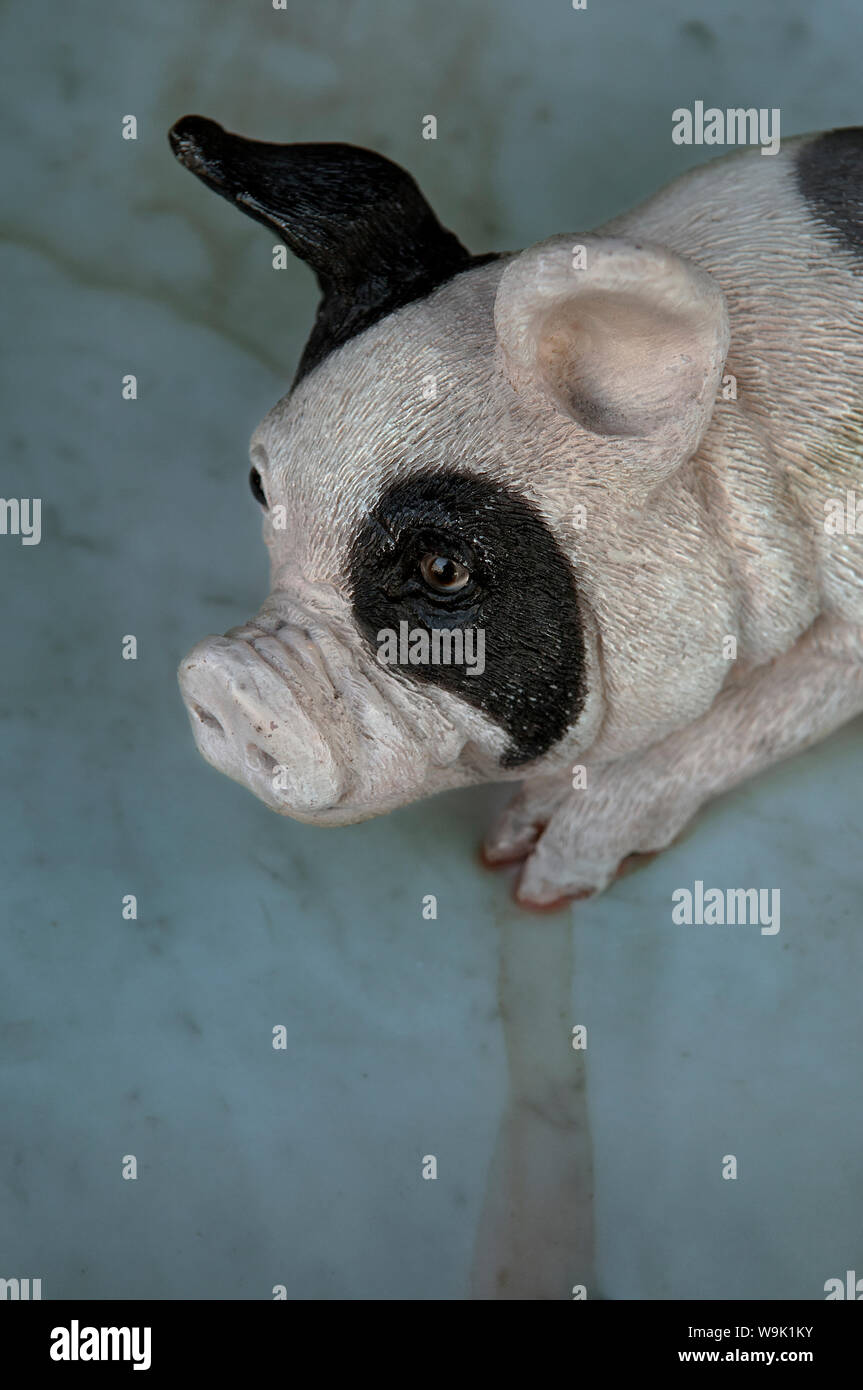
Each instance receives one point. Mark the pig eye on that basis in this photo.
(443, 575)
(257, 488)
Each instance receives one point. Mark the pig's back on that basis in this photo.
(783, 235)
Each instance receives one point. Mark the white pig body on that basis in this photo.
(625, 457)
(796, 354)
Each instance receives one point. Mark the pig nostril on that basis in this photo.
(206, 718)
(257, 758)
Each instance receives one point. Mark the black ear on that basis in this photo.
(356, 218)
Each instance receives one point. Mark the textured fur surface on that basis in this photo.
(704, 520)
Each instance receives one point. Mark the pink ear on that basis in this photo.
(625, 337)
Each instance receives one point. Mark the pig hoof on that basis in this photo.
(520, 825)
(538, 891)
(635, 861)
(551, 904)
(544, 884)
(499, 853)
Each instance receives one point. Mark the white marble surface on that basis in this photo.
(405, 1037)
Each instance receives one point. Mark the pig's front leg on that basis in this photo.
(575, 840)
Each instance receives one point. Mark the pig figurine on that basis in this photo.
(581, 517)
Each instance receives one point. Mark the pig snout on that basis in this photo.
(251, 708)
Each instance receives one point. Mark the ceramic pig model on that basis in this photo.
(540, 463)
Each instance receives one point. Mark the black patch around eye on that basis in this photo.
(830, 178)
(257, 488)
(522, 593)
